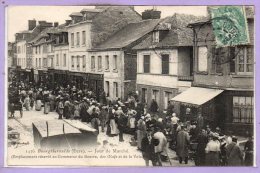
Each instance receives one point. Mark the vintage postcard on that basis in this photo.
(135, 86)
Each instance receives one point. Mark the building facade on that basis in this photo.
(164, 61)
(229, 69)
(116, 59)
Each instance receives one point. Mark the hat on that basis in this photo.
(76, 102)
(142, 117)
(173, 114)
(84, 98)
(148, 116)
(215, 135)
(61, 98)
(160, 120)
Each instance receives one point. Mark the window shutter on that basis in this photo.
(221, 59)
(146, 63)
(213, 60)
(165, 64)
(232, 59)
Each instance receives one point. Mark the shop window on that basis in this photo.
(203, 59)
(243, 109)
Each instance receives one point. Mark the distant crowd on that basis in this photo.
(153, 133)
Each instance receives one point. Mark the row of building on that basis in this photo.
(117, 50)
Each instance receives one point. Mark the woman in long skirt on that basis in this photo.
(38, 105)
(46, 103)
(113, 125)
(141, 131)
(76, 110)
(27, 103)
(52, 102)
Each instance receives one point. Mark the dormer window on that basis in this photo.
(156, 36)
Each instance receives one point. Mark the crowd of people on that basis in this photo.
(153, 133)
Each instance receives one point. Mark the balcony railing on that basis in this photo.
(185, 78)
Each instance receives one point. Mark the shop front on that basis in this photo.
(96, 84)
(79, 80)
(195, 101)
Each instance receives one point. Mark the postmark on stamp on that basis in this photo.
(229, 25)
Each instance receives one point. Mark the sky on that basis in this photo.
(18, 16)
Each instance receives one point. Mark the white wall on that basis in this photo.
(156, 61)
(79, 27)
(21, 56)
(61, 50)
(110, 74)
(177, 66)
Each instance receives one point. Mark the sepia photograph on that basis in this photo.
(157, 86)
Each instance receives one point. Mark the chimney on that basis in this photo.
(42, 22)
(56, 24)
(31, 24)
(151, 14)
(67, 22)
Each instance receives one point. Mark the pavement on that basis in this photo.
(24, 127)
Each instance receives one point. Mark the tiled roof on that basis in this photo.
(178, 35)
(111, 20)
(76, 14)
(249, 14)
(130, 33)
(91, 10)
(46, 32)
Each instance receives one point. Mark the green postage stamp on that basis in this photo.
(229, 25)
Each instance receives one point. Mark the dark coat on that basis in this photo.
(122, 122)
(183, 141)
(234, 155)
(83, 112)
(148, 148)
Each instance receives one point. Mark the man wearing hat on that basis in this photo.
(148, 147)
(83, 110)
(234, 153)
(200, 123)
(182, 148)
(60, 107)
(213, 150)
